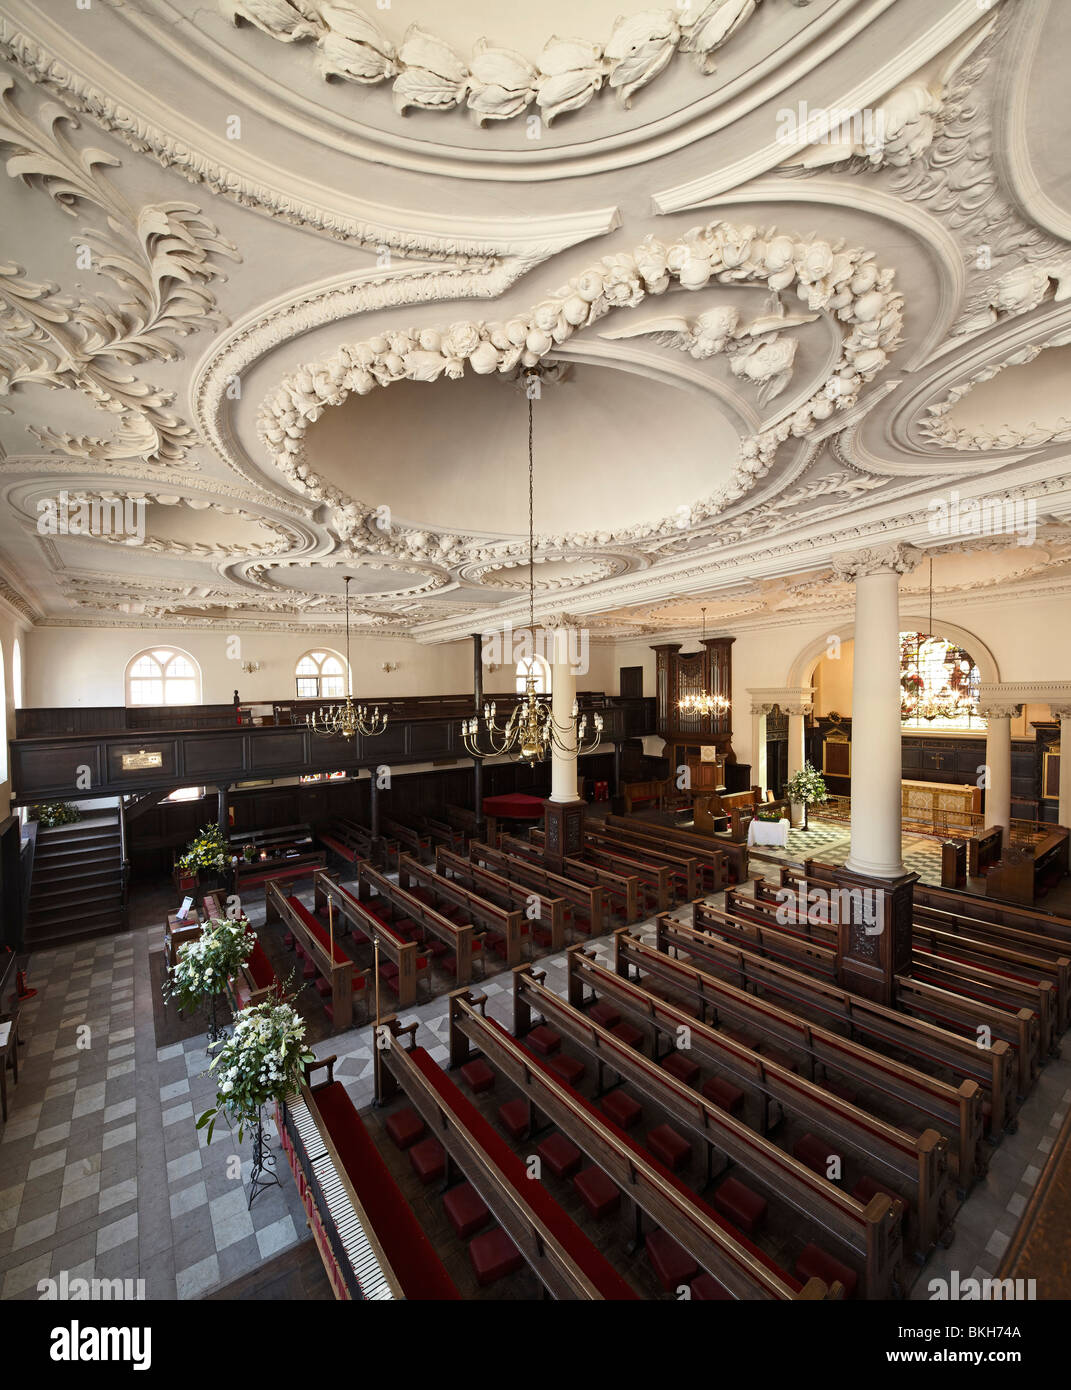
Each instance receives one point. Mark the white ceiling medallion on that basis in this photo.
(844, 282)
(497, 84)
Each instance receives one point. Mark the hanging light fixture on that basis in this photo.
(703, 703)
(531, 732)
(345, 721)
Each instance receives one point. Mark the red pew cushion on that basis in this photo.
(544, 1040)
(478, 1076)
(514, 1117)
(405, 1127)
(814, 1152)
(723, 1093)
(604, 1014)
(669, 1147)
(466, 1209)
(569, 1069)
(560, 1155)
(683, 1068)
(494, 1256)
(705, 1288)
(866, 1188)
(428, 1159)
(743, 1207)
(673, 1265)
(816, 1263)
(599, 1193)
(631, 1037)
(623, 1109)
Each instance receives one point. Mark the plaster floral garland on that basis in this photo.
(941, 430)
(497, 84)
(843, 282)
(262, 1061)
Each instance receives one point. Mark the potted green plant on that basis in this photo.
(53, 813)
(261, 1063)
(806, 788)
(205, 966)
(773, 816)
(248, 853)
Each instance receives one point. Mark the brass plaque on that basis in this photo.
(132, 762)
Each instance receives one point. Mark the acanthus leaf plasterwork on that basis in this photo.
(935, 147)
(846, 283)
(160, 257)
(883, 559)
(497, 84)
(942, 432)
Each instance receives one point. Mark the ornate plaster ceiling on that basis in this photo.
(242, 285)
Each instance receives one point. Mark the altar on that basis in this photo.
(768, 832)
(923, 800)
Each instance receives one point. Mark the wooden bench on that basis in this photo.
(461, 818)
(953, 1108)
(369, 1239)
(503, 928)
(460, 938)
(983, 851)
(913, 1166)
(721, 861)
(637, 793)
(648, 1187)
(1019, 917)
(336, 968)
(1026, 872)
(561, 1256)
(417, 842)
(685, 870)
(653, 880)
(406, 968)
(549, 916)
(586, 904)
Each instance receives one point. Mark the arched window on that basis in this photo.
(939, 684)
(321, 675)
(16, 674)
(533, 666)
(163, 676)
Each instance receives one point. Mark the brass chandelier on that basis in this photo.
(345, 721)
(703, 703)
(531, 733)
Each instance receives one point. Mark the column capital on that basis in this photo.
(789, 699)
(999, 709)
(881, 559)
(1061, 711)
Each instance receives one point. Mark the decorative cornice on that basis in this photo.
(496, 84)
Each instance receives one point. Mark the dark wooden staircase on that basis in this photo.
(77, 889)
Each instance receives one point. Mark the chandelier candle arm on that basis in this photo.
(347, 720)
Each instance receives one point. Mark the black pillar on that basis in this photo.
(477, 763)
(373, 804)
(222, 788)
(617, 768)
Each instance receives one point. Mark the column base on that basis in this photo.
(871, 869)
(563, 826)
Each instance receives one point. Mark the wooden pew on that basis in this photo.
(983, 851)
(461, 818)
(625, 888)
(177, 933)
(685, 870)
(441, 832)
(463, 940)
(510, 927)
(564, 1260)
(741, 1268)
(978, 1008)
(337, 971)
(654, 789)
(418, 843)
(549, 916)
(1026, 872)
(953, 1109)
(1021, 919)
(954, 864)
(345, 843)
(994, 1068)
(913, 1165)
(382, 852)
(410, 966)
(369, 1239)
(588, 902)
(722, 861)
(653, 879)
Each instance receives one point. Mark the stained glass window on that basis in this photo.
(939, 684)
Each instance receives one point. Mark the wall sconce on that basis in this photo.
(390, 666)
(492, 668)
(250, 666)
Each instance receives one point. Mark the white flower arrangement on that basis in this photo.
(261, 1062)
(205, 965)
(207, 850)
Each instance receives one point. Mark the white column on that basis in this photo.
(998, 765)
(759, 770)
(877, 838)
(1064, 716)
(796, 744)
(563, 767)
